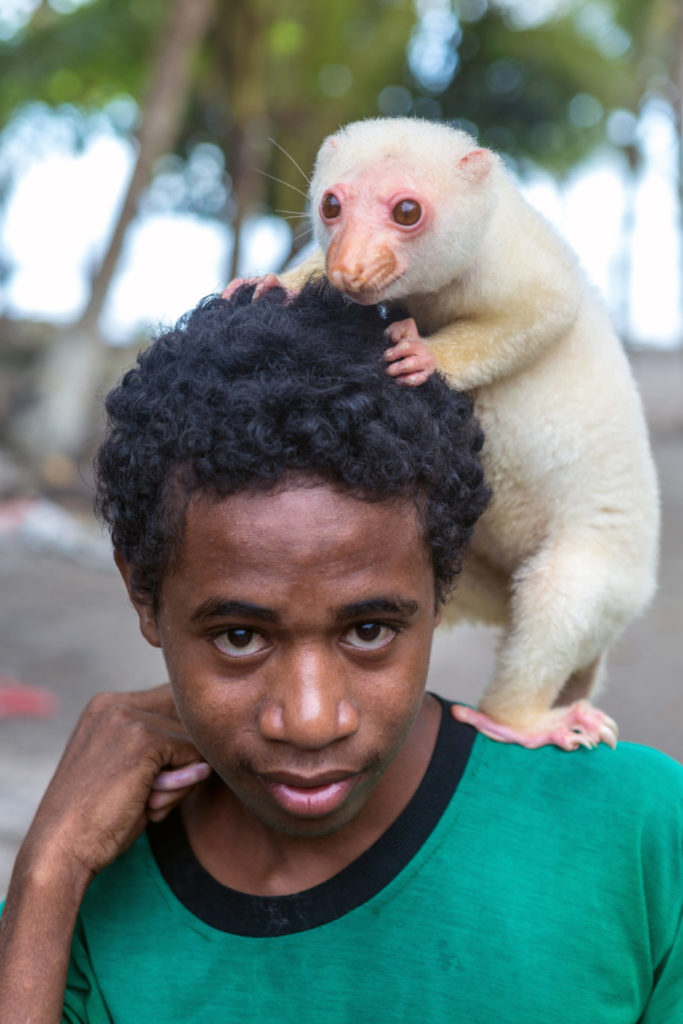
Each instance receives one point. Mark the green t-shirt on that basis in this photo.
(518, 887)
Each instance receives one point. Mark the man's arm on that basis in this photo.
(36, 928)
(106, 788)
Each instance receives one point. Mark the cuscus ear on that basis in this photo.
(327, 151)
(476, 164)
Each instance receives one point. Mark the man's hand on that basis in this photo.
(128, 761)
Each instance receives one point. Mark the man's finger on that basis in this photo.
(178, 778)
(162, 801)
(157, 699)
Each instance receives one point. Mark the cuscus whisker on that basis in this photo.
(287, 184)
(297, 236)
(290, 157)
(291, 213)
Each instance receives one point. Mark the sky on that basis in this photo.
(63, 206)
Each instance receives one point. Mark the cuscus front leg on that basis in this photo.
(409, 358)
(577, 725)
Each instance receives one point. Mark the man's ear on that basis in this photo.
(146, 616)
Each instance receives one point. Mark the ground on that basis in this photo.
(65, 624)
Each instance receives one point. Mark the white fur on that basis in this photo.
(566, 554)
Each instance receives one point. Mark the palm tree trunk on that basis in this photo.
(184, 30)
(241, 40)
(58, 420)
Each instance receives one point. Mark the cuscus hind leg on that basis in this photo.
(565, 608)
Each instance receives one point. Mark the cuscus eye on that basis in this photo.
(407, 212)
(330, 207)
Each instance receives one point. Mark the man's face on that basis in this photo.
(296, 627)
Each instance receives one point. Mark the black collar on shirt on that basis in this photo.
(262, 916)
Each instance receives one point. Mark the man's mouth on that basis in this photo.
(313, 796)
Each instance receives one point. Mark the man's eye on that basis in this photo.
(369, 636)
(240, 642)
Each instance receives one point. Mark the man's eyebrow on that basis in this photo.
(377, 606)
(216, 607)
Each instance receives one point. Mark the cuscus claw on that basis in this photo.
(266, 284)
(231, 288)
(609, 736)
(596, 723)
(413, 380)
(263, 285)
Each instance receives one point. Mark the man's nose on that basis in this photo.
(309, 705)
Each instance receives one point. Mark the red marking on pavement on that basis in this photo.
(19, 700)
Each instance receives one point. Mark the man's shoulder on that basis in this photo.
(634, 764)
(639, 763)
(632, 781)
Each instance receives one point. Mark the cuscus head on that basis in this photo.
(400, 206)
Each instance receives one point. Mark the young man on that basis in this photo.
(287, 519)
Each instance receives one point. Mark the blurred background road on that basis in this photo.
(66, 624)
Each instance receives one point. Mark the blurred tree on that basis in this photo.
(534, 88)
(185, 25)
(655, 32)
(55, 424)
(265, 69)
(550, 83)
(290, 73)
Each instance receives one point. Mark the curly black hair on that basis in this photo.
(240, 393)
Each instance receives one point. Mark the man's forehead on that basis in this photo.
(309, 496)
(305, 558)
(301, 525)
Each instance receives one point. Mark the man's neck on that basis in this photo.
(242, 852)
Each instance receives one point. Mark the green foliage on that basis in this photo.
(84, 58)
(291, 71)
(545, 91)
(294, 71)
(540, 92)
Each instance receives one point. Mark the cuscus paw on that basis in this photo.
(263, 286)
(571, 727)
(410, 360)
